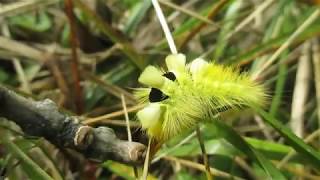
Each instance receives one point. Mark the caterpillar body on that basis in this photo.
(183, 96)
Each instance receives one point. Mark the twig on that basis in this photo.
(78, 99)
(43, 119)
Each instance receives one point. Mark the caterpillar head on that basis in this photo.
(165, 100)
(182, 96)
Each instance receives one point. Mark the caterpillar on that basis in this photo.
(186, 94)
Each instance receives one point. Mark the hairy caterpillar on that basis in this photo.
(187, 94)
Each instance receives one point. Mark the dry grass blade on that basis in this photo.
(301, 91)
(126, 115)
(188, 12)
(24, 6)
(18, 67)
(202, 168)
(247, 20)
(112, 89)
(119, 122)
(308, 139)
(316, 65)
(244, 165)
(146, 163)
(21, 49)
(213, 12)
(111, 115)
(314, 16)
(112, 41)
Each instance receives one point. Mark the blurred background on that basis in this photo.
(87, 54)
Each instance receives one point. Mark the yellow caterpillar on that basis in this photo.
(185, 95)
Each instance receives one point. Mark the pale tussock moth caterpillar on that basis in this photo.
(185, 95)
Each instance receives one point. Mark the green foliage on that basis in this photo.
(122, 48)
(38, 23)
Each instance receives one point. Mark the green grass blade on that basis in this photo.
(311, 155)
(222, 43)
(29, 166)
(138, 13)
(280, 85)
(226, 132)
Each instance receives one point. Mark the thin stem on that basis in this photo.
(75, 58)
(191, 13)
(204, 154)
(146, 162)
(123, 101)
(185, 140)
(165, 27)
(135, 170)
(201, 167)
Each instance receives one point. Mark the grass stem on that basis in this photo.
(204, 154)
(124, 106)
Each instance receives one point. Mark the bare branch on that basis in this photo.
(43, 119)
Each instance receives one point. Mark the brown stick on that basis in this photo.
(43, 119)
(75, 59)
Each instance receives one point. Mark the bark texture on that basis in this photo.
(43, 119)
